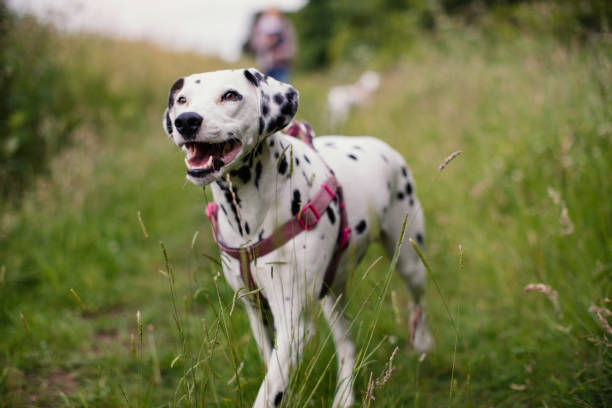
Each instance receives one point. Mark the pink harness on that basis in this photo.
(305, 220)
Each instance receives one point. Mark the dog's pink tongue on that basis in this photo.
(200, 158)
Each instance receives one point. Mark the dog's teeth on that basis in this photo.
(209, 162)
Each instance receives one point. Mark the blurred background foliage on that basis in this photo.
(376, 32)
(37, 121)
(51, 88)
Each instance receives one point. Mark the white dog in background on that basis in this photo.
(342, 98)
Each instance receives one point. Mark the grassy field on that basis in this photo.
(92, 317)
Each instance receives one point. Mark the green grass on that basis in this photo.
(529, 116)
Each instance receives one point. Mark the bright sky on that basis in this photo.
(207, 26)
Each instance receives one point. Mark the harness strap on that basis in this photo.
(306, 219)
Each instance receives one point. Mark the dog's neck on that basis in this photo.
(249, 195)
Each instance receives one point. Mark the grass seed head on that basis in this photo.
(602, 314)
(139, 323)
(449, 159)
(547, 290)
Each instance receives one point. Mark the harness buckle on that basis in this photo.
(310, 223)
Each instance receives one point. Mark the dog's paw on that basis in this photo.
(421, 339)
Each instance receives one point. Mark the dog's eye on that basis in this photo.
(231, 96)
(181, 100)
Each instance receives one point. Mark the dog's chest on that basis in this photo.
(271, 187)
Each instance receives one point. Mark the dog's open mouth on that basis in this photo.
(204, 158)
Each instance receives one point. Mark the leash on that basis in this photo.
(305, 220)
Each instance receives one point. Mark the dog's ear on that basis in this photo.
(278, 101)
(167, 123)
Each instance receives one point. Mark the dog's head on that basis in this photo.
(218, 117)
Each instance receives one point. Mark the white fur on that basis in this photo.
(291, 277)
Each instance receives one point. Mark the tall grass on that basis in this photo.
(530, 116)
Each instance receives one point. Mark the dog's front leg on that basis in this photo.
(293, 327)
(262, 328)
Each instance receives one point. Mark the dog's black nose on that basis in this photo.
(188, 124)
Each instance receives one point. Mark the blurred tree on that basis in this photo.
(36, 111)
(314, 25)
(369, 30)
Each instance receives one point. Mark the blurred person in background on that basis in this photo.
(273, 43)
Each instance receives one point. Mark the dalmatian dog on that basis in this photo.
(228, 124)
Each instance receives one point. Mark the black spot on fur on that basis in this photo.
(217, 163)
(282, 166)
(168, 123)
(331, 215)
(258, 168)
(246, 227)
(291, 95)
(271, 142)
(224, 210)
(252, 79)
(261, 125)
(197, 81)
(404, 172)
(258, 76)
(411, 201)
(271, 126)
(244, 173)
(352, 156)
(278, 399)
(177, 86)
(287, 109)
(307, 159)
(419, 238)
(265, 109)
(408, 188)
(297, 161)
(384, 158)
(281, 122)
(361, 226)
(229, 199)
(278, 98)
(260, 237)
(400, 195)
(296, 202)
